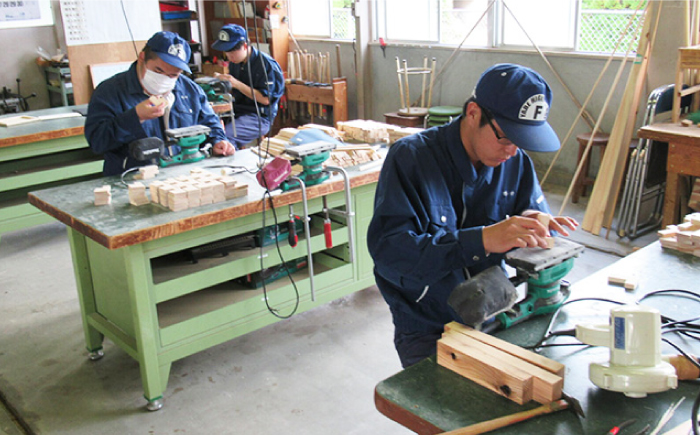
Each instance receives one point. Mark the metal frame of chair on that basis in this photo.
(640, 188)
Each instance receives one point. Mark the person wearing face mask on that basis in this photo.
(121, 111)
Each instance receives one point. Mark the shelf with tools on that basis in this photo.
(58, 83)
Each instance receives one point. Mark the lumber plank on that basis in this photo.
(486, 370)
(533, 358)
(546, 386)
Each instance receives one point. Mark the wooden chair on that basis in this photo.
(428, 75)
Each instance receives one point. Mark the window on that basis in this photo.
(322, 18)
(581, 25)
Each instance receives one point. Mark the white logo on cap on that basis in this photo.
(178, 50)
(223, 36)
(534, 109)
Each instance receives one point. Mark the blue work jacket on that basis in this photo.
(112, 122)
(430, 209)
(264, 71)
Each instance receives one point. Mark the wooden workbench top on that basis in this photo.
(120, 224)
(669, 132)
(42, 130)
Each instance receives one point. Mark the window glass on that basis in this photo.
(310, 18)
(549, 23)
(411, 20)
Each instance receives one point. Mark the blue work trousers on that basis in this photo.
(248, 128)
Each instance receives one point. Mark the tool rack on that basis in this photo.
(334, 95)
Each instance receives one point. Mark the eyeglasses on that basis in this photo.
(503, 140)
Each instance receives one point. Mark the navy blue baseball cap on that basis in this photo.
(172, 49)
(229, 36)
(519, 99)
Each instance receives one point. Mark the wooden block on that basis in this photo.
(617, 280)
(667, 232)
(137, 194)
(157, 100)
(149, 171)
(687, 123)
(103, 195)
(546, 386)
(531, 357)
(544, 219)
(550, 242)
(631, 284)
(486, 370)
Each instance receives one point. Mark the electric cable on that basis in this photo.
(260, 166)
(129, 28)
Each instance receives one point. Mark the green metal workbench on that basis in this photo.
(138, 288)
(38, 155)
(430, 399)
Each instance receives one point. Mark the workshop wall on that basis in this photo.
(579, 73)
(18, 60)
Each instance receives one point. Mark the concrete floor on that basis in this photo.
(312, 374)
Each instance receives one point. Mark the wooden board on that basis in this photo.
(533, 358)
(82, 56)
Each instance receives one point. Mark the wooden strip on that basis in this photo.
(533, 358)
(485, 369)
(546, 386)
(612, 166)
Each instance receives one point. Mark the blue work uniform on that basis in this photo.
(267, 78)
(425, 237)
(112, 122)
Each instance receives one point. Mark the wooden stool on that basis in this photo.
(600, 140)
(395, 118)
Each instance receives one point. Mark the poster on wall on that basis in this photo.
(86, 22)
(25, 13)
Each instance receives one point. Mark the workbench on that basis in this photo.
(683, 160)
(38, 155)
(138, 288)
(429, 399)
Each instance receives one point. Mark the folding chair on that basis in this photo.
(641, 208)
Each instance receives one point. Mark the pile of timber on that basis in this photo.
(400, 132)
(683, 237)
(602, 203)
(348, 154)
(502, 367)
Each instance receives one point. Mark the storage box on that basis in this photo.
(208, 69)
(269, 234)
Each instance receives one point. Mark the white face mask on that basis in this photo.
(157, 84)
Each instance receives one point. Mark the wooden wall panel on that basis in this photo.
(82, 56)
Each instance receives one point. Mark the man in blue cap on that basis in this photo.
(257, 81)
(452, 200)
(121, 109)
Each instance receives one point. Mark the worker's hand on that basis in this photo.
(224, 148)
(235, 83)
(514, 232)
(147, 110)
(556, 223)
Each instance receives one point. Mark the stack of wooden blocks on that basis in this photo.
(504, 368)
(366, 130)
(401, 132)
(103, 195)
(683, 237)
(343, 155)
(199, 188)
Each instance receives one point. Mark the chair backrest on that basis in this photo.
(661, 100)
